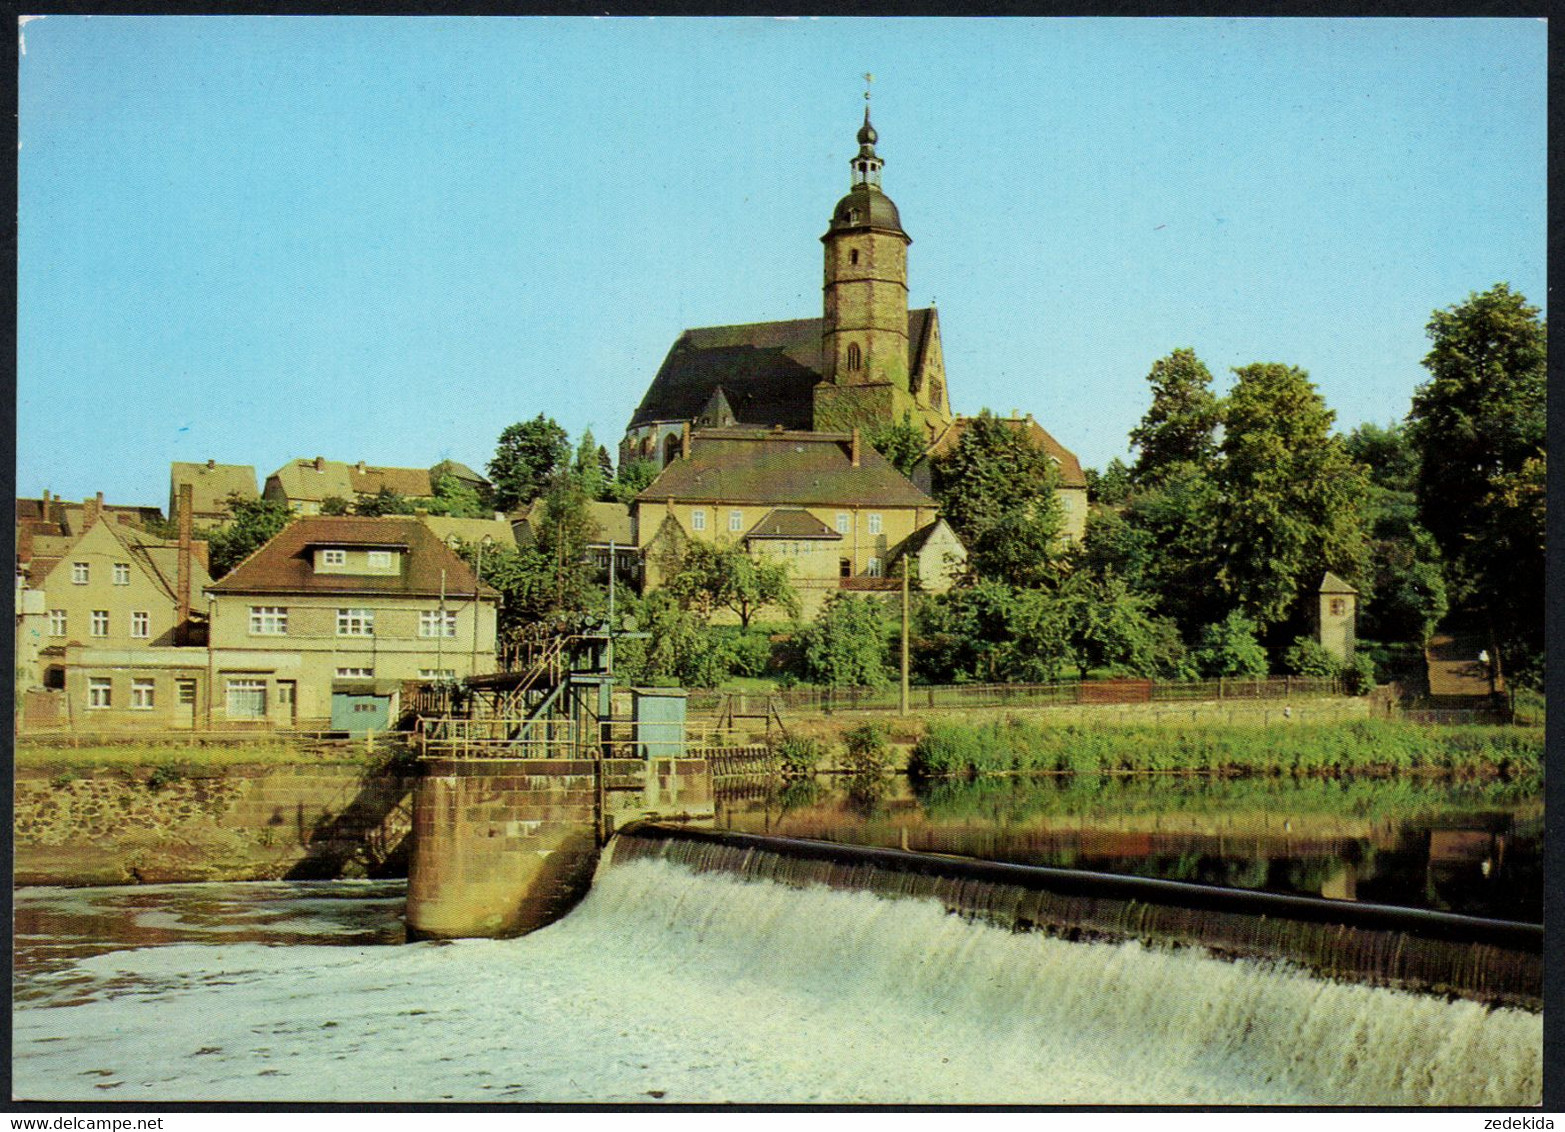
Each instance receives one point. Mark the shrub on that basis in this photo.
(164, 776)
(799, 755)
(1308, 657)
(867, 751)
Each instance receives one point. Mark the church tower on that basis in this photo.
(864, 335)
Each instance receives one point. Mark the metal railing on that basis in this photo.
(516, 738)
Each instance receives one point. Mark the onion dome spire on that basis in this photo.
(867, 166)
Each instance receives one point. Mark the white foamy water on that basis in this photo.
(666, 985)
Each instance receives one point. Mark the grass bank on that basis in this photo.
(949, 749)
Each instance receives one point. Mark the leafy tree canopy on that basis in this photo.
(526, 454)
(1229, 648)
(632, 479)
(902, 443)
(1180, 427)
(997, 490)
(847, 646)
(255, 523)
(1292, 499)
(712, 577)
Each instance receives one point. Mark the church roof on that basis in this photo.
(767, 370)
(799, 468)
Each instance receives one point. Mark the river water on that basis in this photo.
(667, 986)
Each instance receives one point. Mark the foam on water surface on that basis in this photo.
(667, 985)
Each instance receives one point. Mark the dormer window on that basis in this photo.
(380, 559)
(334, 558)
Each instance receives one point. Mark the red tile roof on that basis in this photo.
(285, 564)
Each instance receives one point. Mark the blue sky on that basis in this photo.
(253, 239)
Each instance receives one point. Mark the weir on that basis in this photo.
(1491, 961)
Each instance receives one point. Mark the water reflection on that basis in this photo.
(56, 927)
(1473, 848)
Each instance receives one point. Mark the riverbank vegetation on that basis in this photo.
(1365, 747)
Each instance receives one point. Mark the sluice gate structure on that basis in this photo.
(522, 779)
(1491, 961)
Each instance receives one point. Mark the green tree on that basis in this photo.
(386, 501)
(726, 577)
(1180, 427)
(997, 490)
(1171, 550)
(526, 455)
(1110, 487)
(632, 479)
(587, 470)
(336, 505)
(1292, 502)
(255, 523)
(902, 443)
(1405, 594)
(458, 499)
(1229, 648)
(1107, 625)
(1478, 426)
(847, 645)
(680, 646)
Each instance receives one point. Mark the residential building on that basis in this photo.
(106, 632)
(212, 485)
(321, 627)
(826, 503)
(612, 529)
(305, 484)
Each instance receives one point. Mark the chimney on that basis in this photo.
(359, 467)
(92, 509)
(684, 441)
(200, 552)
(210, 464)
(320, 463)
(182, 582)
(854, 450)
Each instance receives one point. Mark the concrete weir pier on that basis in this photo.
(505, 845)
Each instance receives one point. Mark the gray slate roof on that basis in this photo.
(799, 468)
(767, 370)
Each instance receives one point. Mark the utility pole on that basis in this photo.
(608, 660)
(903, 708)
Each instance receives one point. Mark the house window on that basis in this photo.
(698, 520)
(122, 573)
(355, 673)
(80, 573)
(874, 524)
(845, 567)
(334, 558)
(844, 522)
(736, 520)
(268, 620)
(100, 692)
(437, 623)
(247, 699)
(185, 692)
(143, 693)
(355, 622)
(873, 569)
(855, 358)
(1338, 607)
(380, 559)
(57, 622)
(100, 622)
(437, 674)
(140, 624)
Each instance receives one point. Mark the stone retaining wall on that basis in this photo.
(151, 825)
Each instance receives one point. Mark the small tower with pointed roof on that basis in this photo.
(1337, 616)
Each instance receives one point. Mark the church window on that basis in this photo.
(855, 358)
(646, 447)
(853, 256)
(671, 448)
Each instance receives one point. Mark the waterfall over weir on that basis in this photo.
(843, 984)
(1491, 961)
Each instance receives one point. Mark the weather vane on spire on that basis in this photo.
(868, 78)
